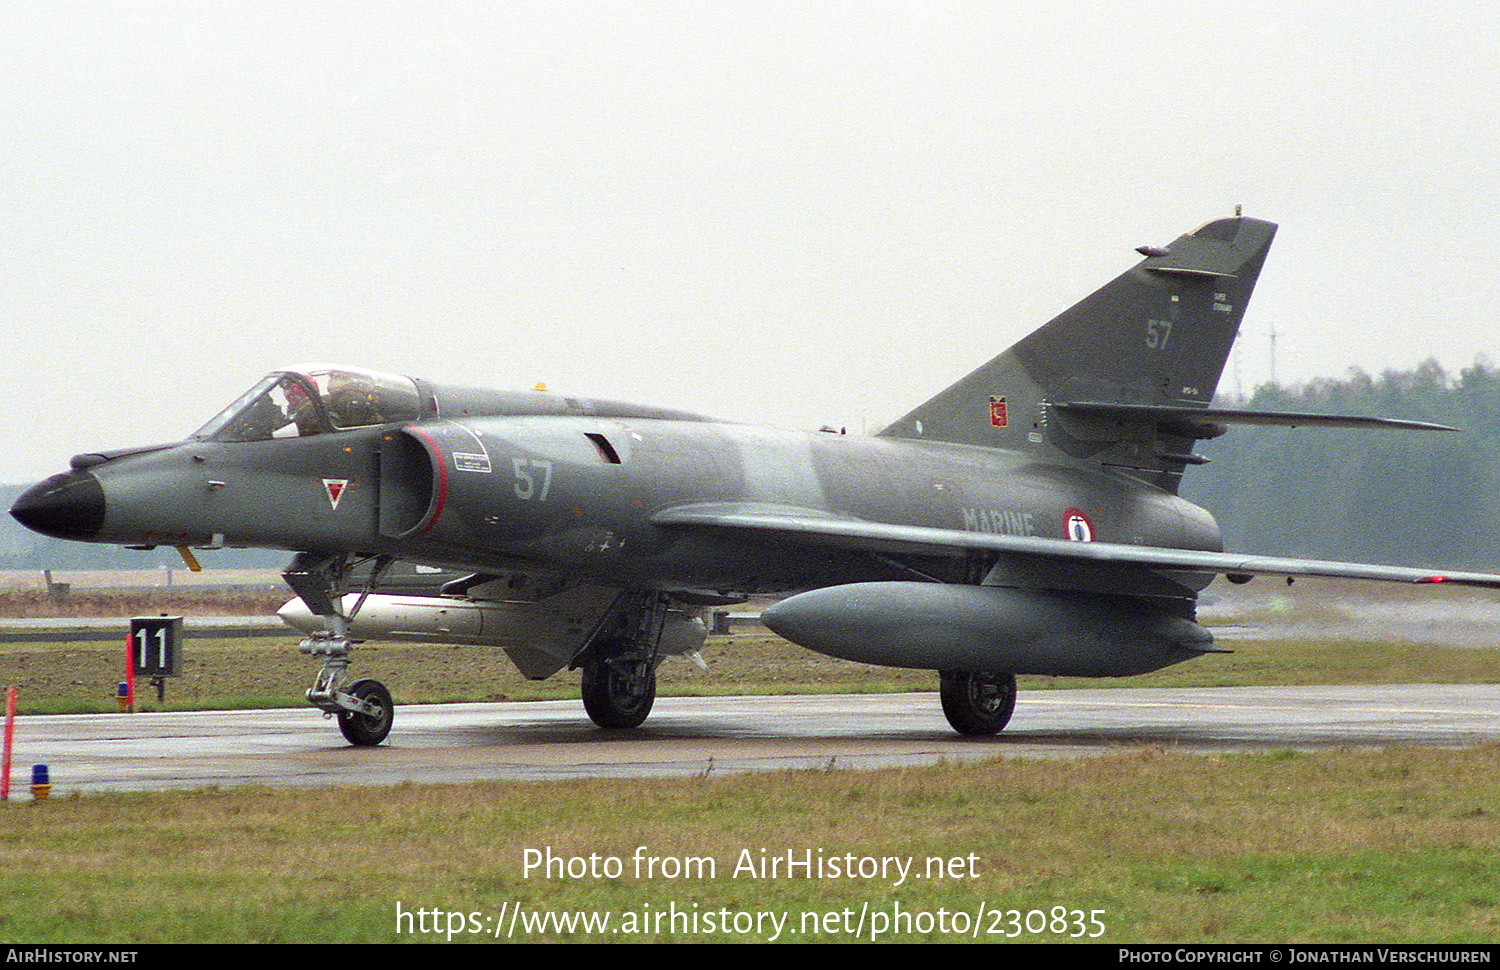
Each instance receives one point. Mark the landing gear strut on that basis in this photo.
(363, 708)
(619, 662)
(977, 703)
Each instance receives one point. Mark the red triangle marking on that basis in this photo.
(335, 488)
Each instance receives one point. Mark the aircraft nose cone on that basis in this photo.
(66, 506)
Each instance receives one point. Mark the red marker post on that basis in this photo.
(10, 733)
(130, 674)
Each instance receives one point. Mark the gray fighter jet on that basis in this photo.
(1023, 521)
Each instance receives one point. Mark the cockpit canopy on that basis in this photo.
(312, 400)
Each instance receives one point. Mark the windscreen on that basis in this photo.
(280, 406)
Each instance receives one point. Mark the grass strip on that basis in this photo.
(1156, 845)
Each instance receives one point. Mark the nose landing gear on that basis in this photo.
(363, 707)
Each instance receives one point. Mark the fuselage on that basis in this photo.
(575, 494)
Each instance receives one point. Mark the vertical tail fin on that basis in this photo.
(1159, 334)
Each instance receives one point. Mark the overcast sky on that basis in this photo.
(796, 213)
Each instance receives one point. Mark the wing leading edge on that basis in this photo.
(813, 528)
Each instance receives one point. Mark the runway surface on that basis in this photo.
(552, 741)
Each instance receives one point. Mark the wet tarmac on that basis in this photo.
(554, 741)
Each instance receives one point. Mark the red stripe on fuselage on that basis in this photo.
(442, 466)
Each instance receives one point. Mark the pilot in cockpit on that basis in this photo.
(300, 409)
(351, 402)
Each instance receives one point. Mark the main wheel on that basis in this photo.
(364, 730)
(977, 703)
(618, 693)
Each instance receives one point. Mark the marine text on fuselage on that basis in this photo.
(999, 521)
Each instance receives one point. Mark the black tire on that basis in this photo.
(365, 730)
(616, 694)
(977, 704)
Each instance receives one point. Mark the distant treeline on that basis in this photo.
(1400, 497)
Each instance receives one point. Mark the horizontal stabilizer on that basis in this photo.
(1191, 421)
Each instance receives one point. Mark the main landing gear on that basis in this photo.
(363, 707)
(978, 703)
(619, 662)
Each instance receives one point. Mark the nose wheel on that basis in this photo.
(363, 708)
(372, 722)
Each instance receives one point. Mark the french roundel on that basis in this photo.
(1077, 526)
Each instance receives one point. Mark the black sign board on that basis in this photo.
(155, 643)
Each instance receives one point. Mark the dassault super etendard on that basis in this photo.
(1024, 521)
